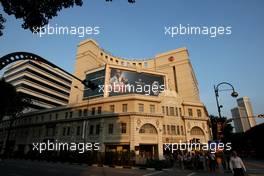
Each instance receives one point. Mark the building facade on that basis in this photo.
(244, 102)
(138, 105)
(243, 115)
(47, 87)
(241, 122)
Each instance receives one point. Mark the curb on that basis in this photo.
(96, 165)
(130, 167)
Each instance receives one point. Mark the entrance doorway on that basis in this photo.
(148, 151)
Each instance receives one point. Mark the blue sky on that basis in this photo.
(137, 31)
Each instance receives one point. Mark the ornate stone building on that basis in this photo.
(162, 105)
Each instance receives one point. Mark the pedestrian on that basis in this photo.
(212, 162)
(236, 165)
(180, 159)
(202, 163)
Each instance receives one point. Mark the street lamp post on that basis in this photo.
(217, 90)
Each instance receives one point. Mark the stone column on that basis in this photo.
(160, 144)
(102, 135)
(132, 133)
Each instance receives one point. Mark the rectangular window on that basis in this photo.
(190, 112)
(93, 111)
(124, 107)
(110, 128)
(78, 132)
(97, 130)
(180, 111)
(168, 129)
(164, 129)
(68, 131)
(178, 130)
(182, 131)
(112, 108)
(66, 115)
(63, 131)
(99, 110)
(167, 110)
(163, 110)
(70, 115)
(173, 130)
(140, 107)
(199, 113)
(57, 116)
(91, 129)
(172, 111)
(53, 131)
(152, 108)
(85, 112)
(80, 113)
(123, 127)
(176, 111)
(40, 132)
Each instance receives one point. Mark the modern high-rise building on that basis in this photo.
(244, 102)
(240, 119)
(243, 115)
(47, 87)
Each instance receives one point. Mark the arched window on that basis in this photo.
(197, 131)
(148, 128)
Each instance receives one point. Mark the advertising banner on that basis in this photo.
(128, 82)
(97, 78)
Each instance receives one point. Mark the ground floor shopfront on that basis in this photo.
(147, 148)
(143, 134)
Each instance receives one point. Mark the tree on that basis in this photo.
(36, 14)
(12, 104)
(254, 142)
(2, 20)
(227, 132)
(221, 128)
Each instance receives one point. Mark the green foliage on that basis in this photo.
(12, 103)
(254, 141)
(2, 21)
(226, 127)
(36, 13)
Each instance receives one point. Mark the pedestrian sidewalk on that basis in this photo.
(219, 172)
(254, 167)
(254, 164)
